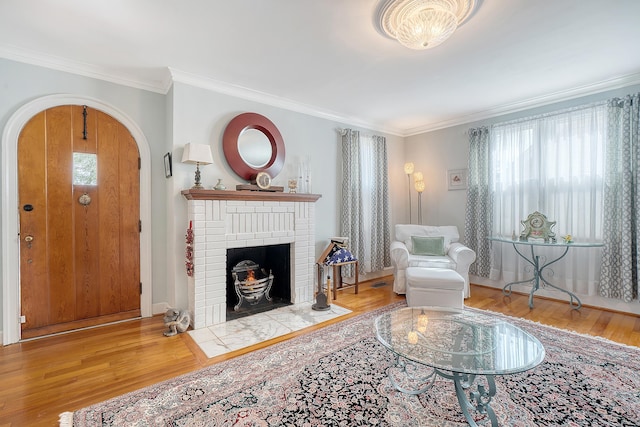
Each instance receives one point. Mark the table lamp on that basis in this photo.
(200, 154)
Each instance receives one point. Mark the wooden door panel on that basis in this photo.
(86, 267)
(33, 268)
(109, 213)
(86, 222)
(130, 222)
(86, 243)
(60, 215)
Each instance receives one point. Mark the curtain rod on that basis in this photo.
(344, 131)
(552, 113)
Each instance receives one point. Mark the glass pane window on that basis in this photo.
(553, 164)
(85, 169)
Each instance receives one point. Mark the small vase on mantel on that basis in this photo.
(220, 185)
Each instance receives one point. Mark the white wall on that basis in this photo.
(433, 153)
(21, 83)
(191, 114)
(200, 116)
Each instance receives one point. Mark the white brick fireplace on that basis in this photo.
(238, 219)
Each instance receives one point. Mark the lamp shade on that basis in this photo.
(419, 186)
(197, 154)
(417, 176)
(408, 168)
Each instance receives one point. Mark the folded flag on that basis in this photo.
(339, 256)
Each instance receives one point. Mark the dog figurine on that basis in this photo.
(176, 321)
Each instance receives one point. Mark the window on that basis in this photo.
(85, 169)
(553, 164)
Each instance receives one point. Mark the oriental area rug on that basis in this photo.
(337, 376)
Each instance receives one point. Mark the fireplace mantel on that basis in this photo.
(246, 195)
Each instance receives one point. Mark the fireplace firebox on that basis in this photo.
(258, 279)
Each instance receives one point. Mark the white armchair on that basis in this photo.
(456, 256)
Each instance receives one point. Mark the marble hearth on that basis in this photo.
(237, 219)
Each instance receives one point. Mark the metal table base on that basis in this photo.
(478, 400)
(574, 301)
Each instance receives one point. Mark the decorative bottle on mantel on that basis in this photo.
(220, 185)
(304, 176)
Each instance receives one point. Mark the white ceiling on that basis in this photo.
(326, 57)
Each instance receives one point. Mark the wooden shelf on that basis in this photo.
(192, 194)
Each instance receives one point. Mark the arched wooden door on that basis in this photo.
(79, 204)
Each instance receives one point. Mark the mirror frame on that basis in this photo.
(232, 154)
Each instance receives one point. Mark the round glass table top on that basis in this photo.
(539, 242)
(460, 341)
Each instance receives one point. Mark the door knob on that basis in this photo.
(28, 239)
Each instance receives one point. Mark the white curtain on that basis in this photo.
(553, 164)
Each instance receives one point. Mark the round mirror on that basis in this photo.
(254, 147)
(253, 144)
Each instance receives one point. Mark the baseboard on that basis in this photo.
(159, 308)
(595, 301)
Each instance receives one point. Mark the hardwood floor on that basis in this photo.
(43, 378)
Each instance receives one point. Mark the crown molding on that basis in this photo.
(82, 69)
(272, 100)
(170, 75)
(540, 101)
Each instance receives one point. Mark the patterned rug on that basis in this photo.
(337, 376)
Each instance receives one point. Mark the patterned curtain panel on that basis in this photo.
(620, 264)
(478, 216)
(365, 200)
(351, 214)
(380, 234)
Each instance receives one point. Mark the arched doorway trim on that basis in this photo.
(10, 221)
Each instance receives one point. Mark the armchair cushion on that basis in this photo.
(422, 245)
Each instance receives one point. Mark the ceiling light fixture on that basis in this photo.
(422, 24)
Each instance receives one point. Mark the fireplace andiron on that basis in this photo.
(248, 286)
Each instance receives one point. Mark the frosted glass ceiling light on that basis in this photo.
(422, 24)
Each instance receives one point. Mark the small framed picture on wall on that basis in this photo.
(457, 179)
(168, 167)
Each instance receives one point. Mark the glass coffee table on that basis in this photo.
(459, 345)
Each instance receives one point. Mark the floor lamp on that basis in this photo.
(419, 188)
(408, 169)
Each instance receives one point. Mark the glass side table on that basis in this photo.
(538, 263)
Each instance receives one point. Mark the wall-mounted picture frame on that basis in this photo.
(168, 166)
(457, 179)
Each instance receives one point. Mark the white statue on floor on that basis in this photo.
(177, 321)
